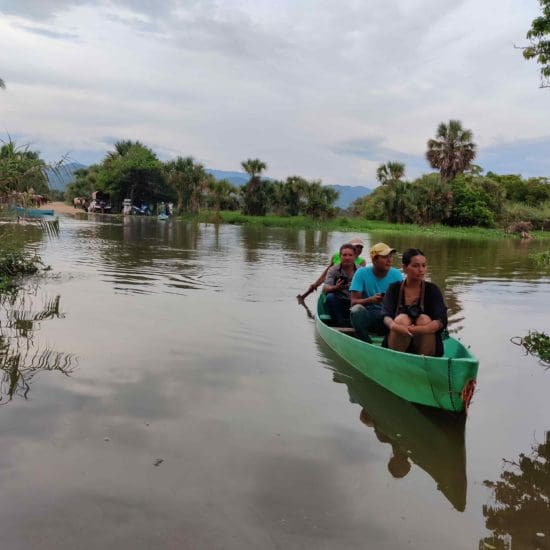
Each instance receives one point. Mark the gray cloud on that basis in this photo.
(300, 85)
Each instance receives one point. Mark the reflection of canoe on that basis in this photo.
(432, 439)
(435, 381)
(163, 217)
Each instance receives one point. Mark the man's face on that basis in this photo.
(358, 249)
(382, 264)
(347, 257)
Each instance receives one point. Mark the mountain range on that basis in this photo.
(60, 177)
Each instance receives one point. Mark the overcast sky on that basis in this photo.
(322, 89)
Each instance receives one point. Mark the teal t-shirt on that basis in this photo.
(368, 284)
(336, 259)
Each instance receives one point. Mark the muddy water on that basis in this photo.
(162, 389)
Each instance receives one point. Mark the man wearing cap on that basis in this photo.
(368, 286)
(358, 245)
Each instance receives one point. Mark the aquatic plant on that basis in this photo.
(535, 343)
(542, 259)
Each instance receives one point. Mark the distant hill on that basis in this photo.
(59, 178)
(348, 193)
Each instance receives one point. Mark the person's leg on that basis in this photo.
(397, 341)
(338, 309)
(365, 320)
(424, 344)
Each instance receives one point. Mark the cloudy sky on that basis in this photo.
(319, 88)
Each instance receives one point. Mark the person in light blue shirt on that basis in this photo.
(368, 286)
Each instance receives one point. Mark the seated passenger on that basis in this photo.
(367, 291)
(414, 310)
(357, 245)
(337, 283)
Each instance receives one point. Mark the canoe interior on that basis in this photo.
(433, 381)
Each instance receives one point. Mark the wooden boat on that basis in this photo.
(443, 382)
(430, 438)
(32, 212)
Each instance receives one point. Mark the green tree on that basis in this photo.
(320, 200)
(132, 171)
(453, 150)
(539, 35)
(295, 189)
(222, 194)
(390, 171)
(84, 185)
(189, 180)
(254, 192)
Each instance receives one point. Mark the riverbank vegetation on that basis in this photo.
(458, 194)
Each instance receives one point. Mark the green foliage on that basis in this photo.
(255, 193)
(471, 203)
(453, 150)
(538, 217)
(222, 195)
(542, 259)
(390, 172)
(84, 185)
(21, 169)
(188, 180)
(539, 35)
(15, 261)
(132, 171)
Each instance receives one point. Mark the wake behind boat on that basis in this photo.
(443, 382)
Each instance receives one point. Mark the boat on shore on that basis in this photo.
(33, 212)
(445, 382)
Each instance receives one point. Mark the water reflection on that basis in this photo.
(432, 440)
(519, 516)
(21, 355)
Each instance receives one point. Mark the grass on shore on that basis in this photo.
(357, 225)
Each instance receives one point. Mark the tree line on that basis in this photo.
(134, 171)
(459, 194)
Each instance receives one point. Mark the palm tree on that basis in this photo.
(453, 151)
(188, 178)
(255, 197)
(221, 192)
(391, 171)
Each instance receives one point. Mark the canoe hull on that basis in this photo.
(434, 381)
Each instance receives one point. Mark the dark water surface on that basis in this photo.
(162, 389)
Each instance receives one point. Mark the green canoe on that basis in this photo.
(443, 382)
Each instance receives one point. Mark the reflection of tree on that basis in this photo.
(21, 358)
(520, 516)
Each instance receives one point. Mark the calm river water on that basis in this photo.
(163, 389)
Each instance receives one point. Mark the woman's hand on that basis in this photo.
(401, 329)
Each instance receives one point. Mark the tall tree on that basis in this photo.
(539, 35)
(221, 193)
(189, 180)
(255, 196)
(453, 150)
(390, 171)
(132, 171)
